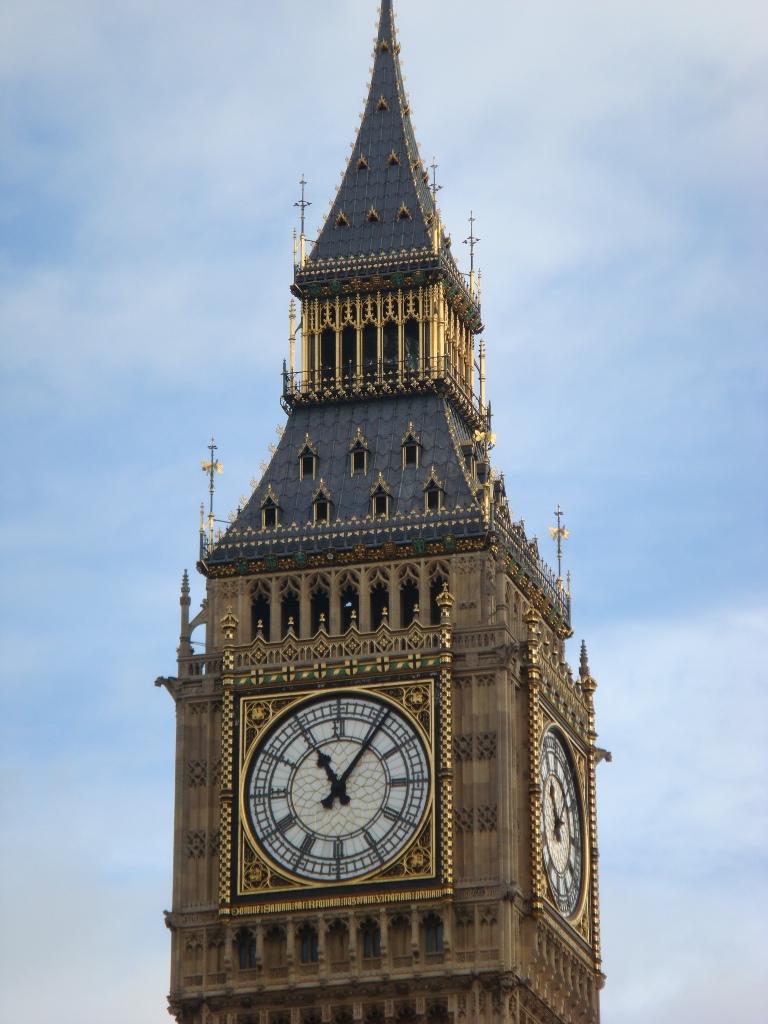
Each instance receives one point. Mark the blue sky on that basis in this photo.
(616, 158)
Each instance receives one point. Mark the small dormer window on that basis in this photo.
(270, 511)
(321, 505)
(432, 498)
(433, 493)
(381, 497)
(411, 448)
(321, 510)
(307, 460)
(269, 516)
(358, 455)
(380, 504)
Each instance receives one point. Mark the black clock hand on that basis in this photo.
(558, 820)
(366, 744)
(324, 761)
(338, 789)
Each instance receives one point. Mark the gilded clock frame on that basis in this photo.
(578, 766)
(422, 869)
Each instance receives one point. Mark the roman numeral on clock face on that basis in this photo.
(285, 823)
(306, 845)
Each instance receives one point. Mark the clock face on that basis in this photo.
(338, 787)
(561, 824)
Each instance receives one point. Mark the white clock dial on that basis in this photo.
(561, 829)
(338, 787)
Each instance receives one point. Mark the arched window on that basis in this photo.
(246, 949)
(370, 350)
(348, 352)
(308, 945)
(391, 356)
(370, 939)
(409, 595)
(411, 345)
(290, 607)
(319, 603)
(433, 934)
(379, 597)
(349, 601)
(328, 354)
(261, 608)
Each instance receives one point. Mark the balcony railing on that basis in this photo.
(352, 382)
(533, 566)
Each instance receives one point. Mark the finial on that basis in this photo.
(445, 602)
(587, 680)
(471, 241)
(302, 205)
(211, 466)
(434, 188)
(559, 534)
(185, 588)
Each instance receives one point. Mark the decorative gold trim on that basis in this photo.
(258, 875)
(329, 902)
(585, 882)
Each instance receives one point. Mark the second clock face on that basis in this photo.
(338, 788)
(561, 823)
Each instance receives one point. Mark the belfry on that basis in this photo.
(385, 768)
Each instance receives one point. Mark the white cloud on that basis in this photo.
(682, 816)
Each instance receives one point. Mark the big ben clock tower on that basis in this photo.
(385, 768)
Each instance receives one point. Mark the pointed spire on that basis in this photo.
(385, 173)
(583, 661)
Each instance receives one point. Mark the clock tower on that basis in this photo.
(385, 768)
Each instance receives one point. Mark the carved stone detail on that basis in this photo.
(196, 842)
(197, 773)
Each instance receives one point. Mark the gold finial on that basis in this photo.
(211, 466)
(445, 602)
(559, 534)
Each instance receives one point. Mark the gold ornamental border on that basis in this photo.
(578, 766)
(257, 875)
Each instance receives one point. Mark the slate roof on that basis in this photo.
(385, 129)
(331, 429)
